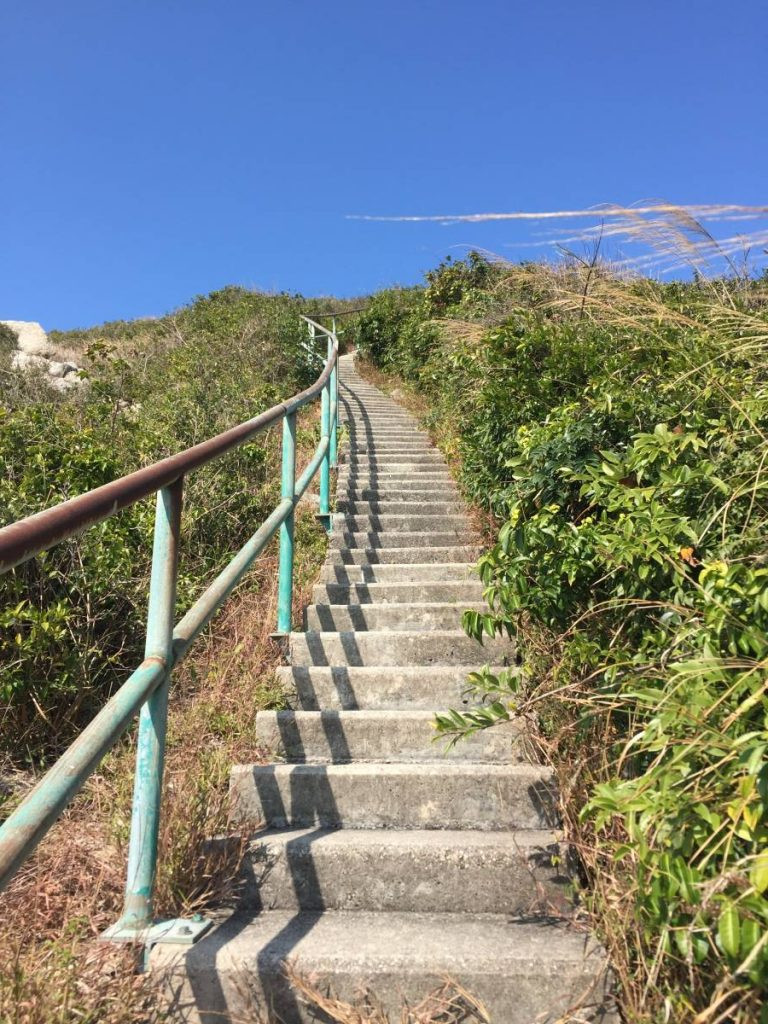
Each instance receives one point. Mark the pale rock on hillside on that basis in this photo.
(35, 351)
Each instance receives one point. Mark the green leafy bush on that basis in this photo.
(72, 620)
(618, 433)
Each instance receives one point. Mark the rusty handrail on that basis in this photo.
(26, 538)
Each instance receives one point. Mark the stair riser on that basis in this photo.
(373, 424)
(385, 435)
(299, 874)
(389, 524)
(399, 522)
(375, 689)
(403, 507)
(396, 539)
(400, 797)
(382, 460)
(381, 648)
(392, 448)
(402, 556)
(461, 593)
(347, 575)
(393, 437)
(427, 493)
(407, 735)
(347, 475)
(395, 617)
(398, 478)
(369, 405)
(347, 457)
(403, 431)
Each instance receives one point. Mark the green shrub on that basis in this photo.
(618, 433)
(72, 620)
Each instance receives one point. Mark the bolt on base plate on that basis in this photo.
(180, 930)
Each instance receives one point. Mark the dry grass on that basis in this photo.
(449, 1003)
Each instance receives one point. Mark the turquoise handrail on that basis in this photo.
(146, 689)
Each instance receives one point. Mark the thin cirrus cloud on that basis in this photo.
(672, 236)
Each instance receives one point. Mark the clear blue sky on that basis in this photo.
(156, 149)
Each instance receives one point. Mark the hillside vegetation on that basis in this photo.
(72, 627)
(72, 620)
(616, 430)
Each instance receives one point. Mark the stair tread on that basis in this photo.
(460, 839)
(394, 769)
(379, 941)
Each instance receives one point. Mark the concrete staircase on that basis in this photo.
(385, 861)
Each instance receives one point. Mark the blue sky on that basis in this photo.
(157, 149)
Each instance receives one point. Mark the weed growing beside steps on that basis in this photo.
(617, 430)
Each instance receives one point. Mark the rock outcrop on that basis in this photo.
(34, 351)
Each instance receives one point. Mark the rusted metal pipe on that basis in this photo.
(26, 826)
(28, 537)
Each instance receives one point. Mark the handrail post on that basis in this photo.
(334, 397)
(325, 465)
(288, 490)
(150, 747)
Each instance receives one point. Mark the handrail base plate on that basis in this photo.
(183, 931)
(326, 519)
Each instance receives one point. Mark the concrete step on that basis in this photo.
(413, 491)
(419, 444)
(437, 647)
(450, 795)
(406, 430)
(408, 734)
(400, 522)
(373, 405)
(419, 871)
(400, 476)
(381, 434)
(395, 539)
(383, 416)
(344, 687)
(403, 556)
(379, 421)
(402, 506)
(434, 468)
(366, 478)
(378, 458)
(521, 971)
(413, 616)
(460, 592)
(390, 447)
(415, 572)
(391, 452)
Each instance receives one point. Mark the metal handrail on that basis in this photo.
(146, 689)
